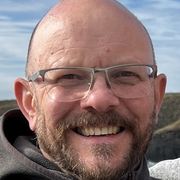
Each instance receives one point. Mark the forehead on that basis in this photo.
(91, 39)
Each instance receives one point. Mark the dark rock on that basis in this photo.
(165, 143)
(170, 110)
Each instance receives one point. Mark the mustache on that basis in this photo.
(91, 119)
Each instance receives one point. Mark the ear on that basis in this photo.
(160, 86)
(26, 101)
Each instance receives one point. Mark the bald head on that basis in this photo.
(85, 24)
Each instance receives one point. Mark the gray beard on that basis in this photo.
(57, 145)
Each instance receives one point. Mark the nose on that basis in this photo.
(100, 98)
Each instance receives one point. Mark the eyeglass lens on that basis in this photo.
(74, 84)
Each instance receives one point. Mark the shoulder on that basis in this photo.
(166, 170)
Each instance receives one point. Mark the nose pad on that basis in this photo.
(100, 81)
(100, 96)
(105, 78)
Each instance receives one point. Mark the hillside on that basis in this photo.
(7, 105)
(170, 110)
(169, 113)
(166, 140)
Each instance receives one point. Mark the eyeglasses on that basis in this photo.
(74, 83)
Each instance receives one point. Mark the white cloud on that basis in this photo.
(17, 20)
(161, 18)
(26, 5)
(4, 18)
(19, 17)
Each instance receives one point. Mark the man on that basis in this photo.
(92, 97)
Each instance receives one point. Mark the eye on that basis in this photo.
(69, 79)
(125, 78)
(122, 74)
(126, 74)
(70, 76)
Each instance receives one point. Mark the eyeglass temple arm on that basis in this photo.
(154, 73)
(33, 77)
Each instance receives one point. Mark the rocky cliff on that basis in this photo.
(165, 143)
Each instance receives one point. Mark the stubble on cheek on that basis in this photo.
(56, 144)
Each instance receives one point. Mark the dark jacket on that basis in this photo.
(21, 159)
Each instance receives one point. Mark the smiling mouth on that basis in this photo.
(99, 131)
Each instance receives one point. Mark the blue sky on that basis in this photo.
(19, 17)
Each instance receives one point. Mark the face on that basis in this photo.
(123, 127)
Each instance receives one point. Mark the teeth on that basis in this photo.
(99, 131)
(104, 131)
(91, 132)
(111, 130)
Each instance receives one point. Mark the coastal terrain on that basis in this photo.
(165, 143)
